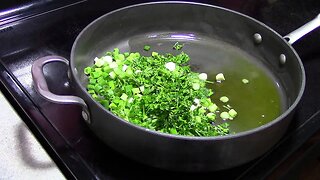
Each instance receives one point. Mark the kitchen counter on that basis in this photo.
(21, 155)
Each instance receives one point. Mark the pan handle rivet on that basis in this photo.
(282, 59)
(85, 117)
(257, 38)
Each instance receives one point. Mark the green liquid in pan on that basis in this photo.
(257, 102)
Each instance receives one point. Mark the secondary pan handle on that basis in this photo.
(303, 30)
(41, 85)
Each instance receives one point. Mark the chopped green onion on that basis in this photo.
(178, 46)
(220, 77)
(224, 115)
(154, 54)
(135, 90)
(146, 48)
(87, 70)
(193, 107)
(203, 76)
(112, 85)
(113, 65)
(106, 59)
(173, 131)
(112, 75)
(213, 108)
(245, 81)
(141, 88)
(124, 67)
(129, 72)
(196, 86)
(197, 101)
(198, 119)
(232, 113)
(124, 97)
(130, 100)
(170, 66)
(119, 57)
(211, 116)
(224, 99)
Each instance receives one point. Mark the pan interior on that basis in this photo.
(216, 41)
(257, 103)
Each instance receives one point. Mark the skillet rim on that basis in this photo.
(273, 122)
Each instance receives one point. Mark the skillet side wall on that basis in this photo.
(195, 155)
(180, 153)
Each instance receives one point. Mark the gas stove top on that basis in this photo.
(33, 29)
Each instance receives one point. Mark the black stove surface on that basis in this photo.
(34, 29)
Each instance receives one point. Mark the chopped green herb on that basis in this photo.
(146, 48)
(178, 46)
(158, 92)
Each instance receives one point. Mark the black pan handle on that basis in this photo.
(41, 86)
(303, 30)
